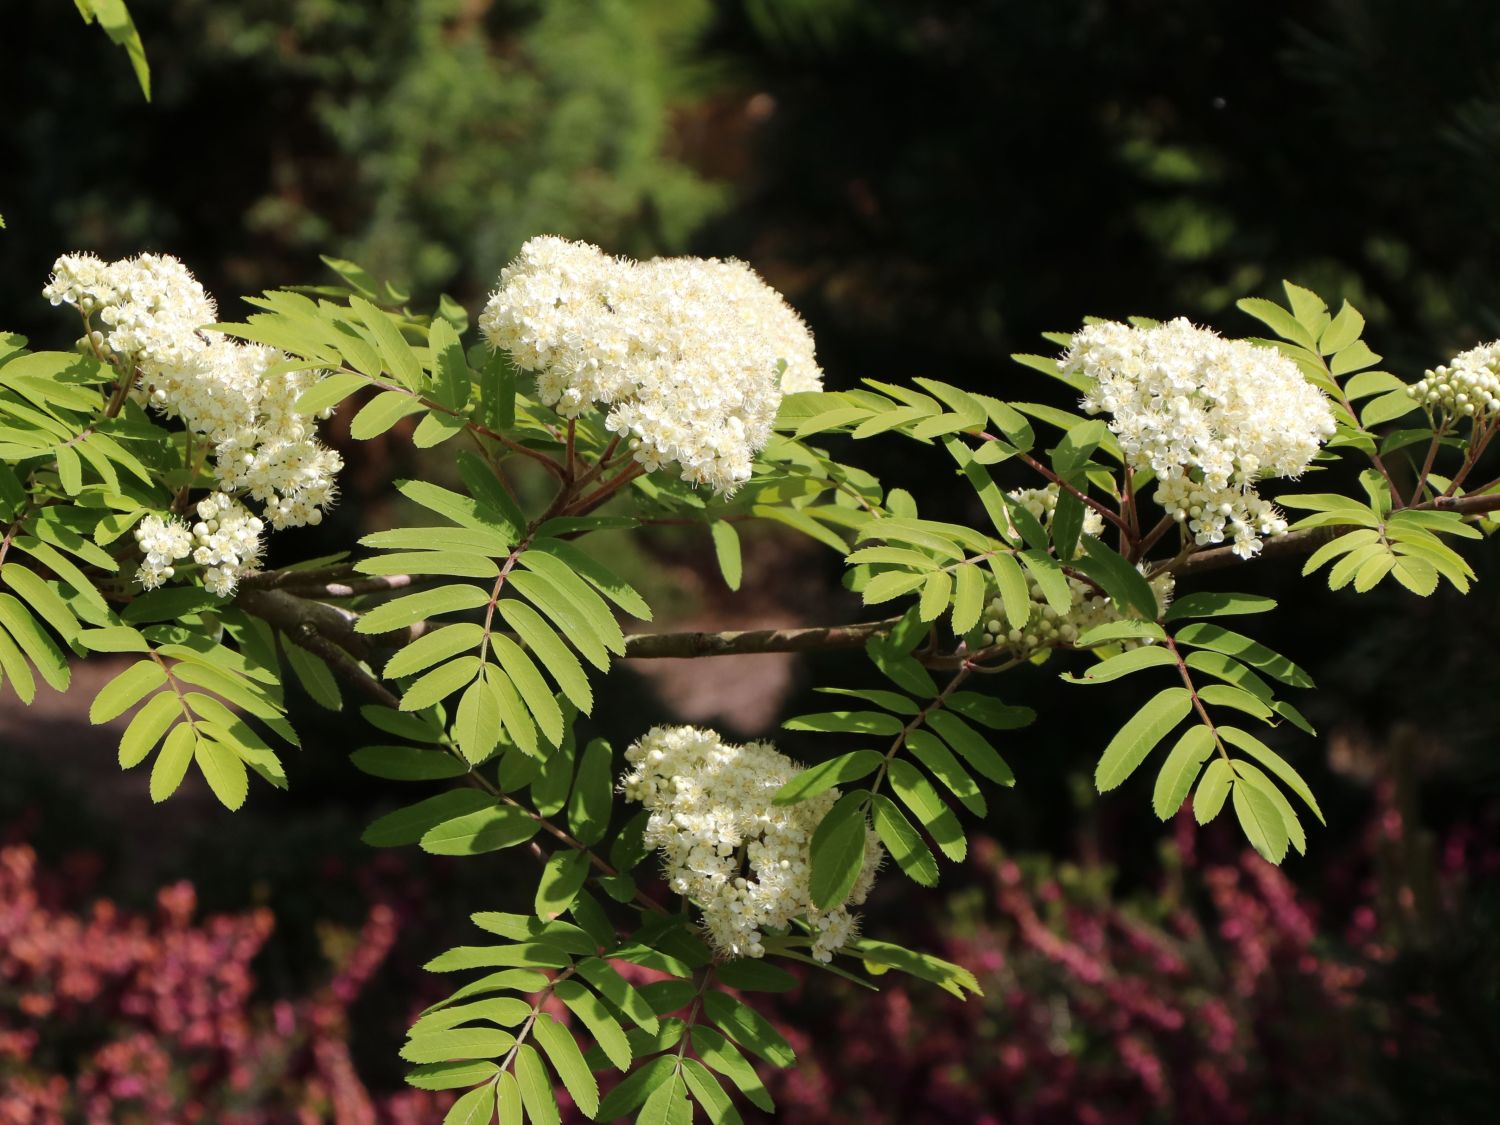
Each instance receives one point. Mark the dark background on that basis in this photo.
(932, 185)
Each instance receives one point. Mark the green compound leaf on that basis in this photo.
(596, 1017)
(408, 610)
(407, 763)
(457, 1043)
(567, 1060)
(440, 683)
(936, 589)
(126, 690)
(1213, 788)
(720, 1054)
(1180, 770)
(484, 830)
(536, 1087)
(928, 749)
(589, 805)
(890, 700)
(381, 413)
(147, 727)
(851, 722)
(668, 1104)
(1204, 635)
(549, 648)
(508, 1102)
(1274, 762)
(952, 978)
(504, 1011)
(451, 1075)
(825, 775)
(748, 1028)
(709, 1094)
(918, 795)
(618, 991)
(1123, 664)
(1120, 579)
(637, 1088)
(749, 974)
(597, 575)
(408, 825)
(223, 770)
(968, 599)
(561, 880)
(903, 841)
(726, 542)
(838, 851)
(533, 690)
(1261, 821)
(477, 1107)
(1230, 670)
(1139, 736)
(1213, 604)
(171, 764)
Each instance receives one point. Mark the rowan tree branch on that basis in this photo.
(305, 619)
(329, 630)
(308, 576)
(817, 638)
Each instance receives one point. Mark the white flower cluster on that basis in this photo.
(1046, 628)
(1042, 503)
(163, 542)
(742, 859)
(689, 357)
(225, 542)
(145, 308)
(1468, 385)
(146, 313)
(1209, 416)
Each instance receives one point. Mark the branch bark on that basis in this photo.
(819, 638)
(329, 630)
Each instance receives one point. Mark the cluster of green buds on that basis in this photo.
(1046, 628)
(1466, 386)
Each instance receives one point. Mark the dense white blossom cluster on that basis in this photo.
(1209, 416)
(146, 314)
(1468, 385)
(742, 859)
(688, 357)
(163, 542)
(225, 542)
(144, 309)
(1046, 628)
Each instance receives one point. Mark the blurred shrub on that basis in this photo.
(1216, 994)
(427, 138)
(463, 127)
(112, 1017)
(1220, 994)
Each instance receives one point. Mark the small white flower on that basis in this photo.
(226, 542)
(163, 542)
